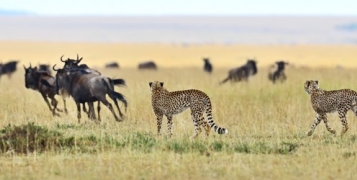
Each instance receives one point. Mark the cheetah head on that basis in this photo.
(156, 85)
(311, 85)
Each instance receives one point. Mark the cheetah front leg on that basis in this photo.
(159, 117)
(342, 116)
(169, 124)
(314, 124)
(324, 118)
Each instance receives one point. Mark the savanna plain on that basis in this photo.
(266, 122)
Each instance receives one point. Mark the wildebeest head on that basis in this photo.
(252, 65)
(44, 67)
(71, 62)
(30, 81)
(61, 79)
(207, 65)
(281, 65)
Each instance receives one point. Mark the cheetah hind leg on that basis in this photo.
(197, 120)
(206, 127)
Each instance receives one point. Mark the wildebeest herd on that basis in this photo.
(244, 72)
(83, 84)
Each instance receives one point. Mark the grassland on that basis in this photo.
(267, 123)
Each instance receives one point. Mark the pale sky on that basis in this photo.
(183, 7)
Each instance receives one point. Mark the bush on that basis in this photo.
(29, 138)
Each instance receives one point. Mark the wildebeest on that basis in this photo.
(74, 63)
(148, 65)
(34, 79)
(207, 66)
(243, 72)
(277, 71)
(44, 67)
(8, 68)
(112, 65)
(88, 87)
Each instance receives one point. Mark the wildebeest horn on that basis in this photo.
(24, 67)
(62, 59)
(54, 68)
(79, 60)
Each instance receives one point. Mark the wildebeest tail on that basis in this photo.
(118, 82)
(211, 122)
(121, 98)
(114, 94)
(225, 80)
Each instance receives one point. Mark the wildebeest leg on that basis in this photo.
(283, 76)
(120, 113)
(84, 108)
(98, 109)
(91, 112)
(54, 103)
(106, 103)
(46, 100)
(78, 112)
(64, 106)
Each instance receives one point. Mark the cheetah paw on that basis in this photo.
(309, 133)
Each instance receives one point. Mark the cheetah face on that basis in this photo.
(311, 85)
(156, 85)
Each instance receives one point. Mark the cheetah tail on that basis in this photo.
(211, 122)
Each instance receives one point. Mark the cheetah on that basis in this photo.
(324, 102)
(171, 103)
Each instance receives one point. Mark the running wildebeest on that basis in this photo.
(243, 72)
(148, 65)
(88, 87)
(34, 79)
(207, 66)
(74, 63)
(44, 67)
(112, 65)
(8, 68)
(277, 71)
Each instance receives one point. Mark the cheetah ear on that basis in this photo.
(307, 83)
(150, 83)
(317, 82)
(162, 84)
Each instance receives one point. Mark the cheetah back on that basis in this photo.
(331, 101)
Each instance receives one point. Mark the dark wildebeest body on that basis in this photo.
(87, 87)
(8, 68)
(242, 73)
(34, 79)
(278, 72)
(147, 65)
(112, 65)
(207, 66)
(74, 63)
(44, 67)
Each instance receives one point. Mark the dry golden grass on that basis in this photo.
(261, 118)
